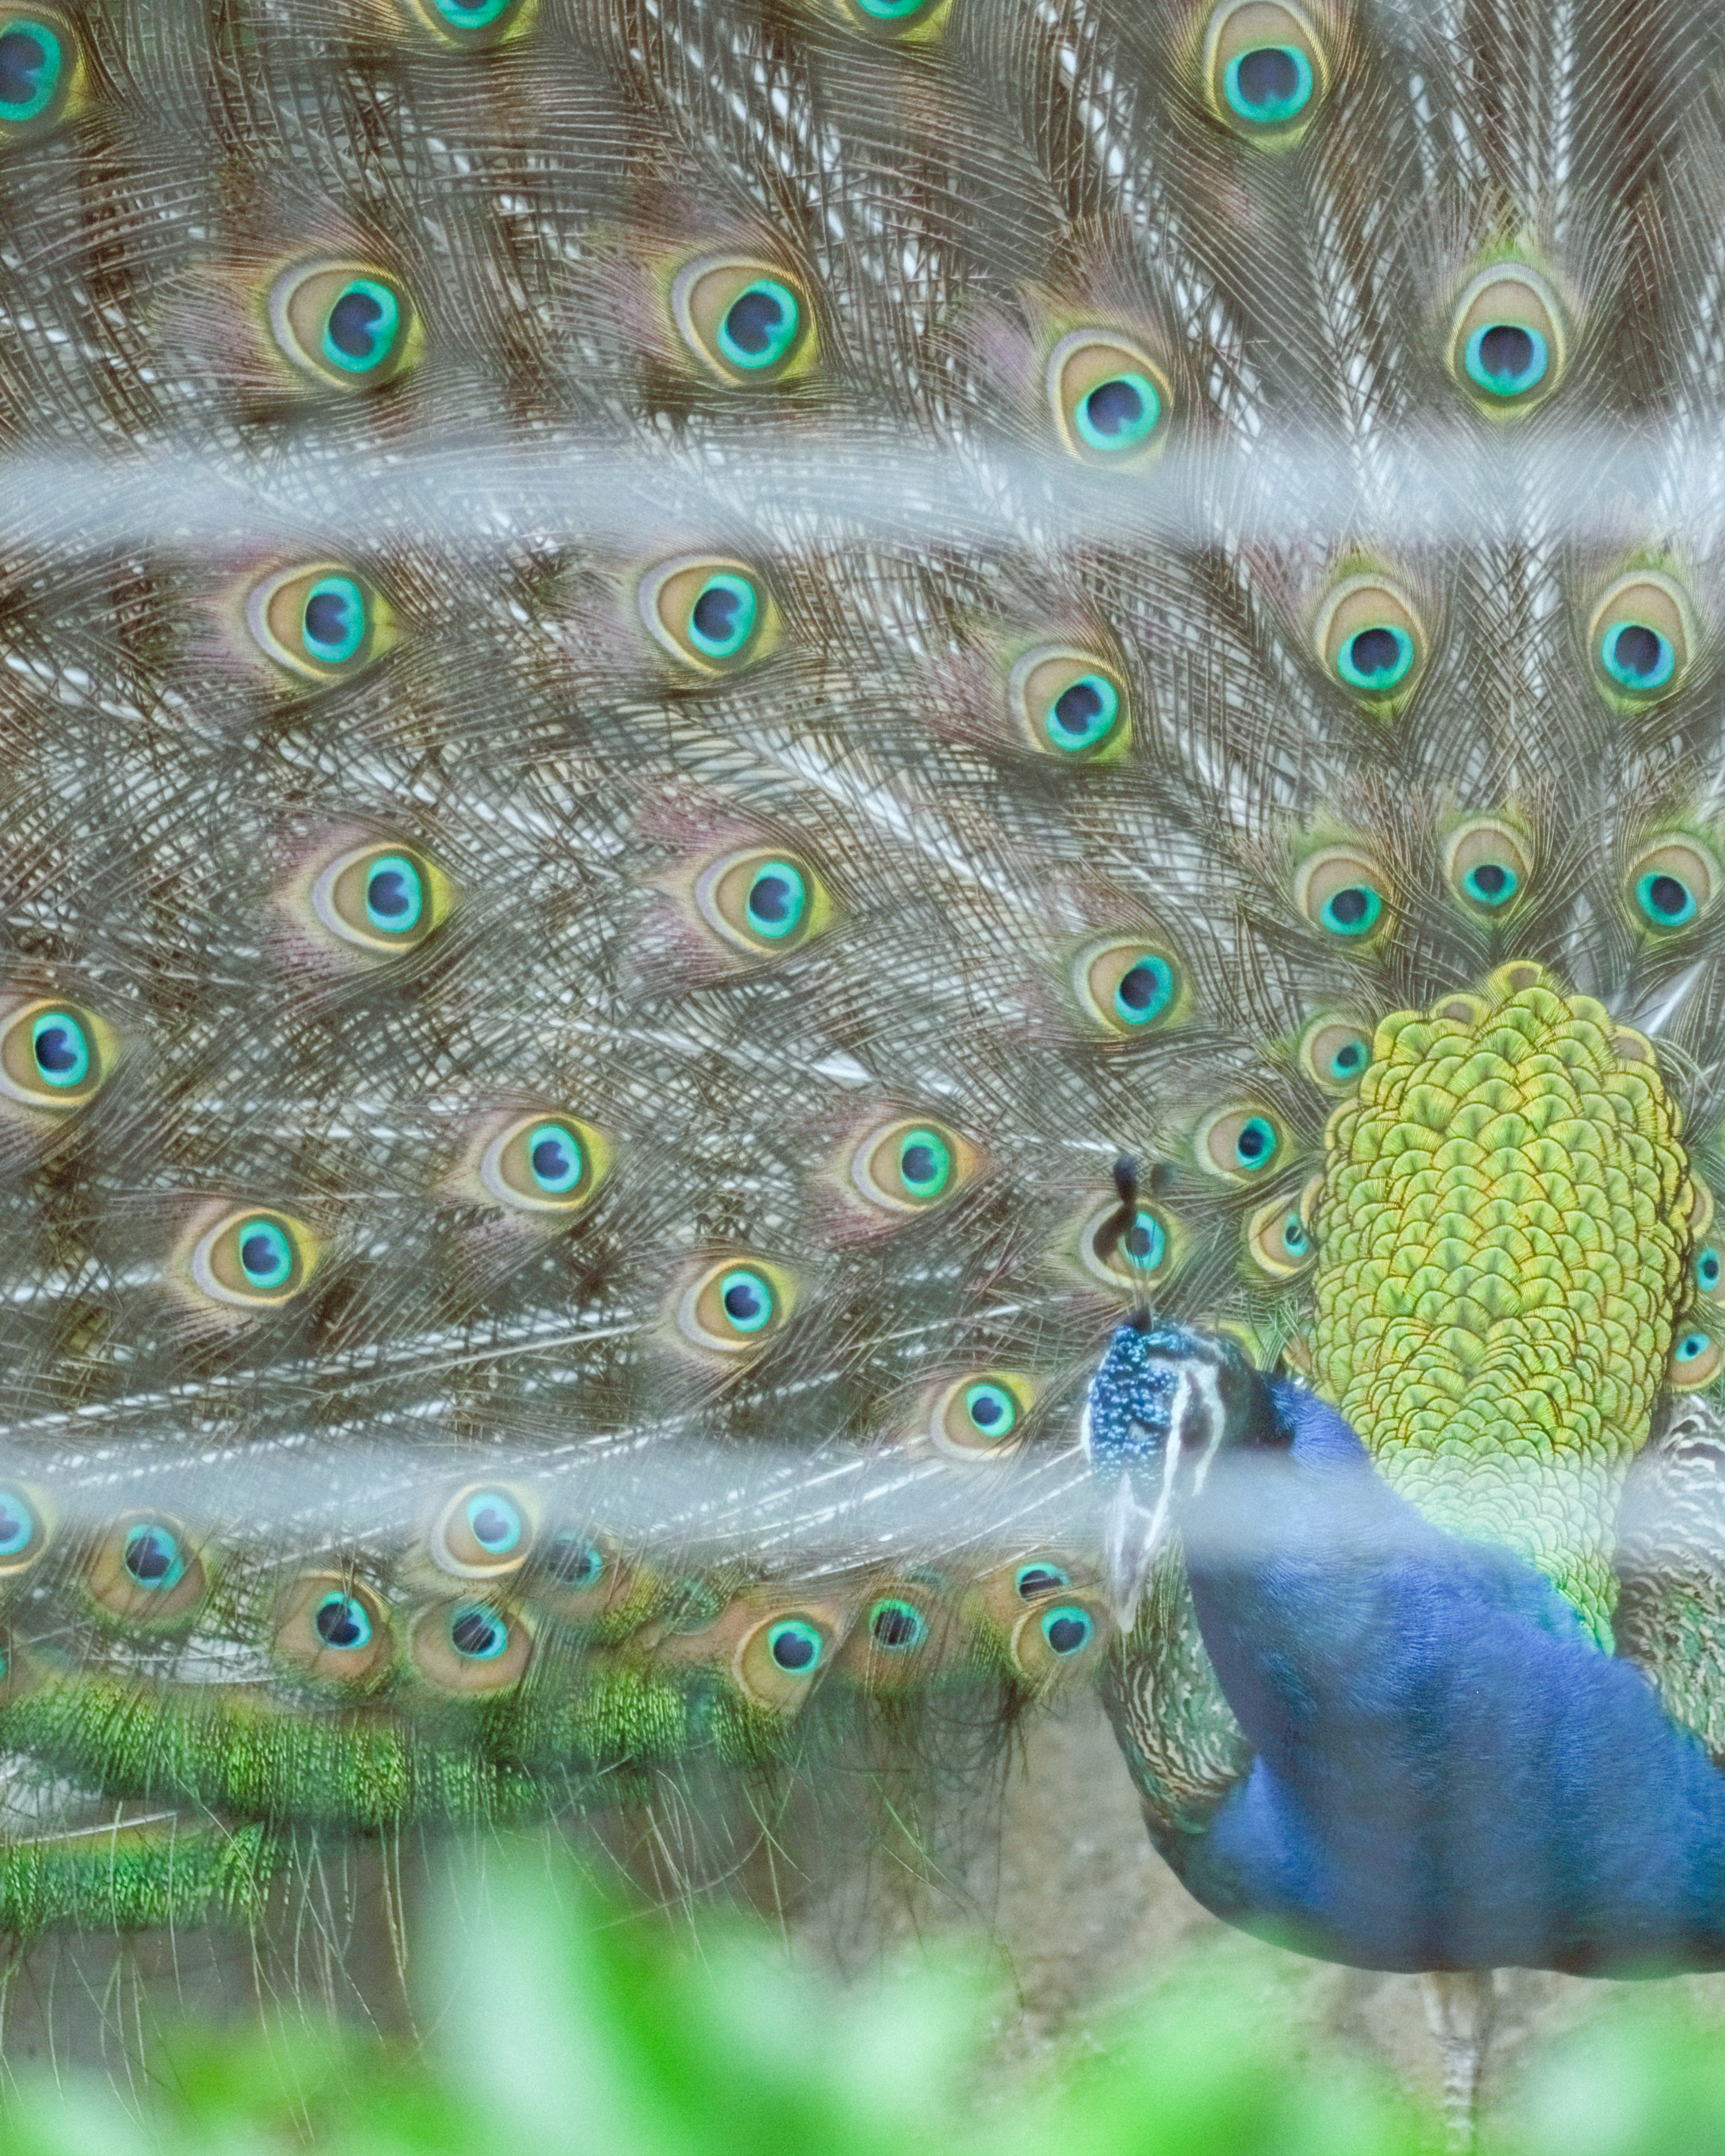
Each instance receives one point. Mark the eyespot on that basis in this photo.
(1240, 1142)
(1694, 1357)
(892, 18)
(1672, 884)
(1264, 71)
(573, 1562)
(711, 615)
(1709, 1269)
(1129, 1252)
(22, 1536)
(320, 622)
(1640, 638)
(483, 1532)
(146, 1568)
(1127, 986)
(1342, 892)
(980, 1416)
(1370, 638)
(1507, 344)
(383, 899)
(332, 1629)
(345, 325)
(735, 1306)
(1111, 401)
(910, 1165)
(1050, 1640)
(254, 1261)
(1334, 1052)
(763, 902)
(1041, 1576)
(470, 1647)
(1488, 865)
(54, 1056)
(545, 1164)
(1278, 1238)
(896, 1626)
(1069, 705)
(778, 1659)
(40, 68)
(475, 26)
(749, 321)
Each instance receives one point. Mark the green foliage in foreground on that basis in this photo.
(552, 2026)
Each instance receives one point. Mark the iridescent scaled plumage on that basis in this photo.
(1506, 1214)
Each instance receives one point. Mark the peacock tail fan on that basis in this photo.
(671, 667)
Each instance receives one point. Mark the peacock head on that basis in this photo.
(1166, 1402)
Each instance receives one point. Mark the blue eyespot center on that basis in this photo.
(1377, 659)
(1352, 910)
(1143, 1244)
(59, 1048)
(1492, 883)
(266, 1256)
(795, 1647)
(1067, 1630)
(152, 1556)
(1295, 1239)
(777, 902)
(1268, 84)
(1506, 359)
(925, 1164)
(554, 1158)
(494, 1522)
(1708, 1267)
(746, 1300)
(360, 329)
(1638, 658)
(342, 1622)
(575, 1562)
(722, 618)
(18, 1524)
(897, 1626)
(1119, 413)
(1039, 1577)
(1144, 991)
(760, 326)
(1349, 1060)
(31, 67)
(395, 895)
(992, 1408)
(1692, 1348)
(1084, 714)
(334, 625)
(1665, 900)
(471, 14)
(1255, 1146)
(476, 1633)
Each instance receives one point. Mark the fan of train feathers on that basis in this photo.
(671, 666)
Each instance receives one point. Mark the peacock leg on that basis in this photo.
(1461, 2004)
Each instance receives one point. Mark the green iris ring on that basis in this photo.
(1154, 973)
(744, 616)
(272, 1266)
(495, 1543)
(1501, 385)
(1272, 111)
(756, 1298)
(1133, 430)
(1375, 681)
(383, 333)
(1003, 1423)
(74, 1037)
(351, 1616)
(354, 616)
(557, 1138)
(1094, 728)
(1359, 918)
(775, 931)
(931, 1183)
(1658, 915)
(1638, 680)
(53, 67)
(795, 1647)
(174, 1572)
(414, 889)
(904, 1619)
(779, 339)
(1068, 1630)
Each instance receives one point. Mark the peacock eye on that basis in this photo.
(1695, 1359)
(893, 17)
(470, 1647)
(482, 1533)
(1640, 638)
(346, 325)
(1053, 1637)
(1279, 1239)
(39, 67)
(52, 1056)
(795, 1647)
(1488, 865)
(381, 899)
(1238, 1142)
(544, 1165)
(1508, 343)
(712, 616)
(734, 1307)
(1126, 986)
(146, 1568)
(1341, 893)
(320, 622)
(1109, 397)
(778, 1657)
(1068, 1630)
(1041, 1576)
(1370, 638)
(1708, 1268)
(762, 902)
(1069, 706)
(473, 27)
(1264, 69)
(1334, 1052)
(977, 1415)
(896, 1626)
(908, 1165)
(573, 1562)
(1672, 884)
(23, 1537)
(1127, 1250)
(330, 1628)
(254, 1261)
(749, 321)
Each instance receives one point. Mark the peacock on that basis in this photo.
(858, 856)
